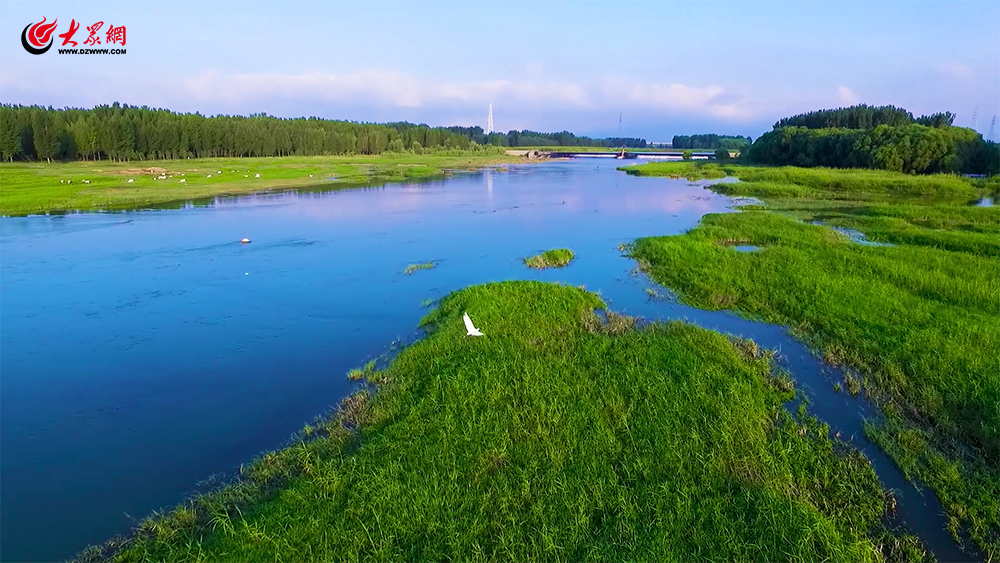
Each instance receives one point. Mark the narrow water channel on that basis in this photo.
(144, 351)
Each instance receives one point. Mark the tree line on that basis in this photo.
(123, 132)
(526, 138)
(886, 138)
(863, 116)
(711, 141)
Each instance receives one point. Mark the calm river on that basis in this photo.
(142, 352)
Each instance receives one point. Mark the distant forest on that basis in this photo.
(863, 117)
(886, 137)
(123, 132)
(528, 138)
(711, 141)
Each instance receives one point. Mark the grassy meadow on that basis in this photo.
(918, 318)
(38, 187)
(561, 435)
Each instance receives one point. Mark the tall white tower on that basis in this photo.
(489, 121)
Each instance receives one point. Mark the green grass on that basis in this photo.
(558, 436)
(920, 321)
(556, 258)
(38, 187)
(416, 267)
(960, 228)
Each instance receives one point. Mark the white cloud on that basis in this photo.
(373, 86)
(406, 91)
(957, 71)
(846, 96)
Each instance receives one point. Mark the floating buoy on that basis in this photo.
(245, 241)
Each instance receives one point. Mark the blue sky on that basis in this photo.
(668, 67)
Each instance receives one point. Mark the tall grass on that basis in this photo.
(558, 436)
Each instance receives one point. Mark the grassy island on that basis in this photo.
(556, 258)
(562, 435)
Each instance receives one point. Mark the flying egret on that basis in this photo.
(473, 331)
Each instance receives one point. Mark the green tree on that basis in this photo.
(10, 134)
(44, 134)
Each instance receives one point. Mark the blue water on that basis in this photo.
(143, 352)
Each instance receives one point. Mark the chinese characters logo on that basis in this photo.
(37, 38)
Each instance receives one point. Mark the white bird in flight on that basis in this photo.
(473, 331)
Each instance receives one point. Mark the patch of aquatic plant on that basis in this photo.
(416, 267)
(362, 372)
(919, 322)
(550, 259)
(653, 294)
(853, 383)
(551, 438)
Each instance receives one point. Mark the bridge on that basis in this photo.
(612, 153)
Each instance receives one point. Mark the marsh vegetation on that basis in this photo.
(918, 320)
